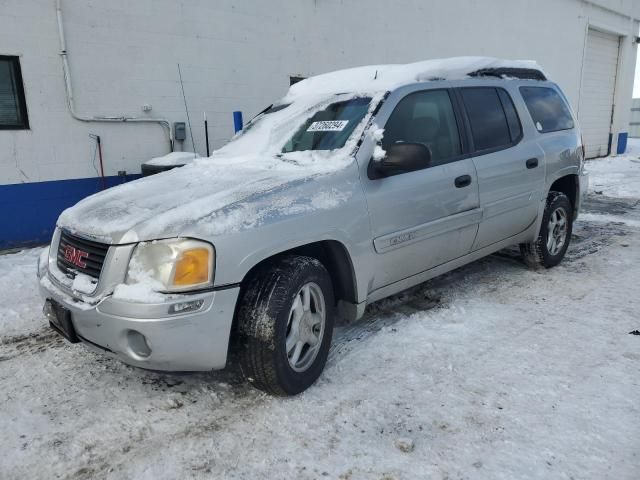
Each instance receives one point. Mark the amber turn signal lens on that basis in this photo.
(192, 268)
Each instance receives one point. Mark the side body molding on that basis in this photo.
(427, 230)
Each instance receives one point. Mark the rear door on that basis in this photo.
(510, 168)
(423, 218)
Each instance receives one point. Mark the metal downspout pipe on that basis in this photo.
(69, 91)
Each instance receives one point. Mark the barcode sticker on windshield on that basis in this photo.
(328, 126)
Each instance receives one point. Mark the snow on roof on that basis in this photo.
(173, 158)
(378, 78)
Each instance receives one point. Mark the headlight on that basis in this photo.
(172, 265)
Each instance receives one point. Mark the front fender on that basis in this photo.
(237, 254)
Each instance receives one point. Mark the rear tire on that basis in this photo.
(555, 233)
(285, 320)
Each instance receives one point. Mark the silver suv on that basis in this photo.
(356, 185)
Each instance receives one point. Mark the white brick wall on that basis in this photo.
(238, 55)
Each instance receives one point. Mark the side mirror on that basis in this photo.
(401, 158)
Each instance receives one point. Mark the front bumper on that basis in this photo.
(194, 341)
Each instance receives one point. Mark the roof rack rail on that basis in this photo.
(522, 73)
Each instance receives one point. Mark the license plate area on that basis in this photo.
(60, 320)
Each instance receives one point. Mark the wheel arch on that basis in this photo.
(569, 185)
(335, 257)
(332, 254)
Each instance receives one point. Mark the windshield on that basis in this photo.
(330, 127)
(307, 125)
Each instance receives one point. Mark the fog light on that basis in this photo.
(138, 344)
(185, 307)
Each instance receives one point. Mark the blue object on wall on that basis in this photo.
(237, 121)
(28, 211)
(622, 142)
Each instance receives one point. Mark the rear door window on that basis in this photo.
(489, 126)
(548, 110)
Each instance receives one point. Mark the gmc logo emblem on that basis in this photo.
(75, 256)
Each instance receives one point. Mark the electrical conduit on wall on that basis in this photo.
(69, 90)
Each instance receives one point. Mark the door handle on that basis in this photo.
(462, 181)
(532, 163)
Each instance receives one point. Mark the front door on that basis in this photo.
(423, 218)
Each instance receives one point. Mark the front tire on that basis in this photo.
(549, 248)
(285, 320)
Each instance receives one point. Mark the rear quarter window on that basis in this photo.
(548, 109)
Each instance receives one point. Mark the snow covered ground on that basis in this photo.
(490, 372)
(617, 176)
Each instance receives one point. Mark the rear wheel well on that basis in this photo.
(567, 185)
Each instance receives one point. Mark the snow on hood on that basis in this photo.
(381, 78)
(229, 191)
(173, 158)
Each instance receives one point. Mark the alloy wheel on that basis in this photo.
(305, 327)
(557, 231)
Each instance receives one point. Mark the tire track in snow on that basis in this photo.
(379, 315)
(589, 236)
(237, 400)
(31, 343)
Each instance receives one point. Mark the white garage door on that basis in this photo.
(598, 88)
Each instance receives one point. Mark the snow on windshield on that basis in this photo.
(301, 126)
(329, 128)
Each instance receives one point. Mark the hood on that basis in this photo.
(211, 196)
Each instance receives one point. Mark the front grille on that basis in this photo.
(93, 261)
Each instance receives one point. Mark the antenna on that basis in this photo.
(206, 132)
(187, 109)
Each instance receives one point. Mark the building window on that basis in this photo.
(295, 79)
(13, 108)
